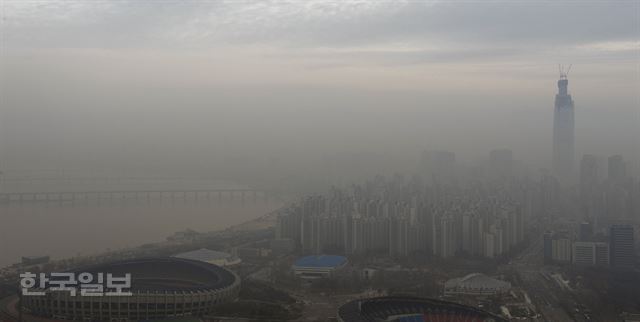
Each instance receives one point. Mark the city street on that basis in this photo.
(542, 292)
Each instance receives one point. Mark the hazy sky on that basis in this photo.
(127, 85)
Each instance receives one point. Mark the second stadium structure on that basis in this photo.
(411, 309)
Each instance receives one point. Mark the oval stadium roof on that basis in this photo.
(166, 274)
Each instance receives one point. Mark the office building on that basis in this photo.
(622, 251)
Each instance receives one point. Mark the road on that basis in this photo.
(544, 293)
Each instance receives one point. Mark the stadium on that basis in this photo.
(160, 288)
(411, 309)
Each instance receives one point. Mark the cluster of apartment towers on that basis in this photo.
(400, 217)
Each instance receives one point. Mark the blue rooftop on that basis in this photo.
(320, 261)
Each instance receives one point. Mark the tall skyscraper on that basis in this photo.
(563, 131)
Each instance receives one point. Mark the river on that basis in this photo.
(64, 229)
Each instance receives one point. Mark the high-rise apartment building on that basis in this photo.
(587, 253)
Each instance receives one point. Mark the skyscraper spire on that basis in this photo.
(563, 130)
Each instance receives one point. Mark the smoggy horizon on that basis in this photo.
(187, 88)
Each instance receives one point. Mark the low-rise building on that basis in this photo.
(312, 267)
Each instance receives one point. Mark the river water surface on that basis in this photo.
(64, 229)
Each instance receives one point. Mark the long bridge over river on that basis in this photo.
(220, 195)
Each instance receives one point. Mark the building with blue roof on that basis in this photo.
(318, 266)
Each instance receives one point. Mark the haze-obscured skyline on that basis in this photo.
(186, 87)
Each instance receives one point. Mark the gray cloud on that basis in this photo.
(318, 23)
(111, 63)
